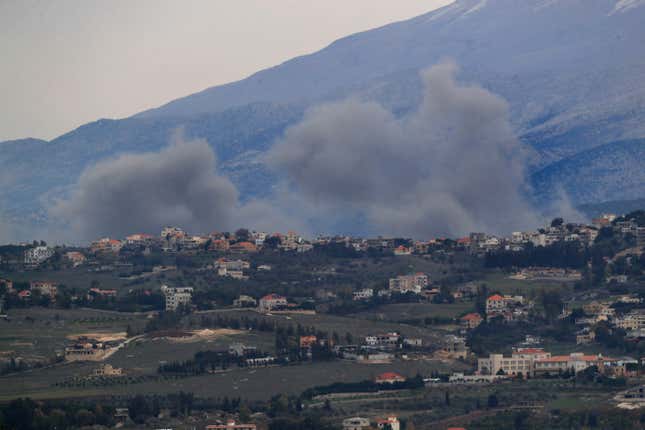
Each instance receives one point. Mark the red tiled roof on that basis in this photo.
(563, 358)
(471, 316)
(495, 297)
(389, 376)
(530, 350)
(272, 297)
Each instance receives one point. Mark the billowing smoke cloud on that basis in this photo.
(451, 167)
(144, 192)
(177, 186)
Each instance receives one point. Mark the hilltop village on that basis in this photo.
(255, 330)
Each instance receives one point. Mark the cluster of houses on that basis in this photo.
(378, 348)
(509, 308)
(632, 321)
(42, 288)
(174, 238)
(556, 232)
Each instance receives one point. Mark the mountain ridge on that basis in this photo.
(571, 72)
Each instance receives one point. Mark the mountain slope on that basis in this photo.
(572, 71)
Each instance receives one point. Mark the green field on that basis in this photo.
(39, 333)
(497, 281)
(409, 311)
(252, 384)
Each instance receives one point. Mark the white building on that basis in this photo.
(364, 294)
(224, 263)
(176, 296)
(37, 255)
(271, 302)
(634, 320)
(522, 361)
(386, 340)
(356, 423)
(409, 283)
(576, 361)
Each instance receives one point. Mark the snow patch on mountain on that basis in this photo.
(625, 5)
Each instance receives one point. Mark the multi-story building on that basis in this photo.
(498, 304)
(176, 296)
(272, 302)
(471, 321)
(106, 245)
(364, 294)
(37, 255)
(521, 361)
(634, 320)
(409, 283)
(45, 288)
(640, 236)
(576, 361)
(75, 257)
(386, 340)
(495, 304)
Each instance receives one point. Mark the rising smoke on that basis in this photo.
(144, 192)
(451, 167)
(178, 185)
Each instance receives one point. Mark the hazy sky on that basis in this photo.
(66, 62)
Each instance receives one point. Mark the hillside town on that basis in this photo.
(561, 303)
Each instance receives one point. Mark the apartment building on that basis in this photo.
(634, 320)
(498, 304)
(521, 361)
(471, 321)
(409, 283)
(364, 294)
(37, 255)
(176, 296)
(386, 340)
(577, 362)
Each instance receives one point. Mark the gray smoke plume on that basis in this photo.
(144, 192)
(451, 167)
